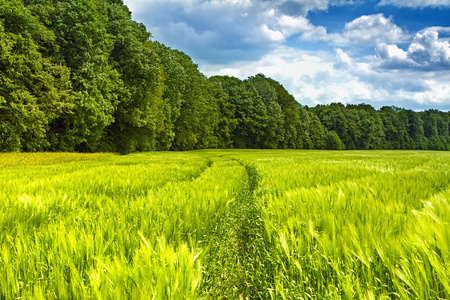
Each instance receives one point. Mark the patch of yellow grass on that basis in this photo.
(45, 158)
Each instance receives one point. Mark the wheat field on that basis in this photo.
(225, 224)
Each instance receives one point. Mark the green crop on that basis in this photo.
(356, 225)
(118, 227)
(225, 224)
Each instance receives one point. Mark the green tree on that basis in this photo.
(227, 121)
(333, 118)
(415, 130)
(293, 127)
(304, 130)
(33, 89)
(274, 133)
(368, 126)
(84, 47)
(174, 85)
(333, 142)
(435, 127)
(395, 128)
(196, 126)
(251, 112)
(317, 133)
(139, 116)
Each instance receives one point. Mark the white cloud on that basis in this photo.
(310, 77)
(238, 3)
(426, 52)
(343, 60)
(293, 25)
(237, 29)
(300, 25)
(392, 57)
(244, 37)
(345, 2)
(321, 78)
(370, 30)
(271, 35)
(416, 3)
(318, 33)
(298, 7)
(365, 31)
(212, 30)
(247, 29)
(407, 87)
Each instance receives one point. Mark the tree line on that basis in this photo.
(81, 75)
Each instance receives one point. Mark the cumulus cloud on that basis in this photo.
(271, 35)
(439, 29)
(244, 37)
(345, 2)
(299, 7)
(321, 78)
(225, 30)
(300, 25)
(370, 30)
(365, 31)
(228, 30)
(392, 57)
(310, 77)
(293, 25)
(416, 3)
(368, 72)
(407, 87)
(427, 52)
(343, 61)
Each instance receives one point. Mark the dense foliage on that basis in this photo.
(81, 75)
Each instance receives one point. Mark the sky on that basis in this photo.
(378, 52)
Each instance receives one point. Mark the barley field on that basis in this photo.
(225, 224)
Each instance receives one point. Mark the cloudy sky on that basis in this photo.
(381, 52)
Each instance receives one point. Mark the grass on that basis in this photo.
(122, 227)
(357, 224)
(39, 159)
(229, 224)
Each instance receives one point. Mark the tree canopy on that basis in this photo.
(81, 75)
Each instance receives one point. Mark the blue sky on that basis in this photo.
(380, 52)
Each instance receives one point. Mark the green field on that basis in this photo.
(225, 224)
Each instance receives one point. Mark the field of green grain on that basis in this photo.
(225, 224)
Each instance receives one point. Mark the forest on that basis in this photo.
(81, 75)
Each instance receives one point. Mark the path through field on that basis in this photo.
(238, 259)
